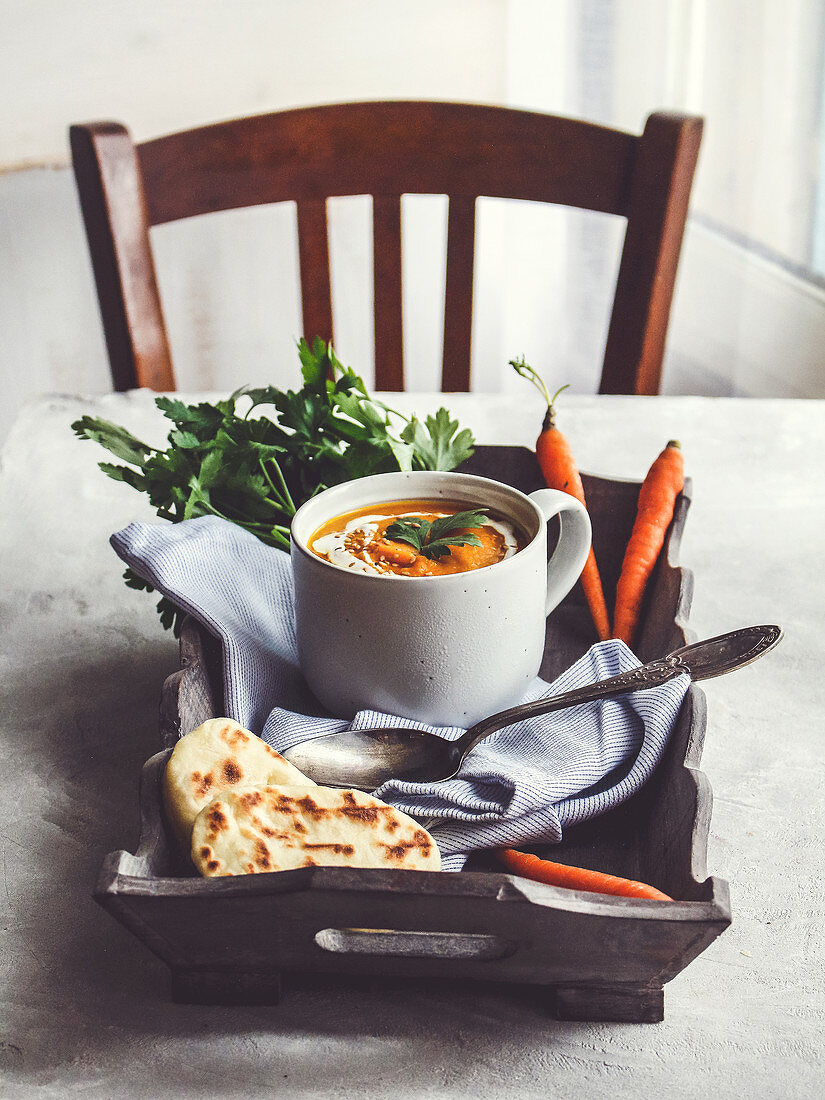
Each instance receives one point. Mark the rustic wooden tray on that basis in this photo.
(597, 957)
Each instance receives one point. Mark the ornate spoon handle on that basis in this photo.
(650, 675)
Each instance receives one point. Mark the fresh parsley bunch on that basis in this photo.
(256, 471)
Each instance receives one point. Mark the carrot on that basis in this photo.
(575, 878)
(560, 472)
(657, 497)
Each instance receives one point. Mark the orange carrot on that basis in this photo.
(560, 472)
(574, 878)
(657, 497)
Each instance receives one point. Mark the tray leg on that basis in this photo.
(632, 1004)
(198, 986)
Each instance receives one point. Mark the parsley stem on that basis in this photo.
(391, 412)
(274, 535)
(260, 524)
(284, 494)
(208, 506)
(276, 539)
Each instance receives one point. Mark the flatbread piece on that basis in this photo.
(279, 828)
(217, 756)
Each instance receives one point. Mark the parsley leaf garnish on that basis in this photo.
(434, 539)
(257, 470)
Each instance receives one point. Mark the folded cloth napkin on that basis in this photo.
(522, 786)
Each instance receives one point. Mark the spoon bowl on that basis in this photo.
(364, 759)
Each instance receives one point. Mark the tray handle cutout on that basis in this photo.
(414, 945)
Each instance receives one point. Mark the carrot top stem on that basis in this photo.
(526, 371)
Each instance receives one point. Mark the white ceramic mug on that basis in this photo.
(446, 650)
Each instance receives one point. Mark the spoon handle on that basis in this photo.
(650, 675)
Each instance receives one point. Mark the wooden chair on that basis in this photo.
(387, 149)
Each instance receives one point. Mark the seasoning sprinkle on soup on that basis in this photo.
(416, 538)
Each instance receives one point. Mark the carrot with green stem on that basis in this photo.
(657, 497)
(560, 472)
(574, 878)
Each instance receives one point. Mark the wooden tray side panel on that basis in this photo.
(194, 693)
(329, 928)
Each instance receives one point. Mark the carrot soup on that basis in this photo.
(416, 538)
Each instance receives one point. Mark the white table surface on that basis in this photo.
(85, 1008)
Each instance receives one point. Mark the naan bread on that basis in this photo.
(216, 756)
(279, 828)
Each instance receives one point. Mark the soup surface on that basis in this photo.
(358, 540)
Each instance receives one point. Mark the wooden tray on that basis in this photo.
(597, 957)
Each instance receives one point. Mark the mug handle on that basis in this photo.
(568, 559)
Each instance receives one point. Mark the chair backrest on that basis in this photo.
(387, 149)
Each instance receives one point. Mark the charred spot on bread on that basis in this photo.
(231, 772)
(311, 808)
(217, 818)
(202, 783)
(262, 856)
(420, 840)
(397, 851)
(208, 857)
(251, 798)
(233, 735)
(338, 849)
(367, 815)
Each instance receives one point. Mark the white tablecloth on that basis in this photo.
(84, 1007)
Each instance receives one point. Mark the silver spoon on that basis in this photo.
(364, 759)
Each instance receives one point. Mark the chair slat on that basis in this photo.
(389, 148)
(114, 212)
(458, 294)
(389, 327)
(634, 352)
(313, 251)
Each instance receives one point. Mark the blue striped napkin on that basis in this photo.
(522, 786)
